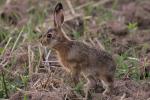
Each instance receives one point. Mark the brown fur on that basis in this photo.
(78, 57)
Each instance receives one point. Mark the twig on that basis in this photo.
(41, 84)
(34, 85)
(47, 80)
(46, 58)
(94, 4)
(84, 5)
(29, 58)
(17, 40)
(131, 58)
(40, 59)
(81, 6)
(66, 97)
(51, 61)
(92, 42)
(2, 66)
(6, 46)
(123, 96)
(102, 2)
(8, 1)
(17, 88)
(70, 6)
(3, 61)
(99, 44)
(68, 18)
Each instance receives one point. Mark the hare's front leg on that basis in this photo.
(107, 82)
(91, 83)
(75, 73)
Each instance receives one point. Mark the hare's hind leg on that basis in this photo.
(107, 81)
(91, 83)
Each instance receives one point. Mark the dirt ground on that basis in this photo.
(126, 26)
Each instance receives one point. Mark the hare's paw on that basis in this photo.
(106, 92)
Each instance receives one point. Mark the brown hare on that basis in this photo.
(78, 57)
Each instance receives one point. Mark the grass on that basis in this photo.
(4, 85)
(2, 2)
(126, 70)
(79, 87)
(24, 79)
(76, 34)
(37, 17)
(3, 34)
(114, 5)
(132, 26)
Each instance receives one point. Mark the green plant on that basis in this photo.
(3, 34)
(88, 9)
(76, 34)
(127, 65)
(24, 80)
(2, 2)
(115, 3)
(25, 97)
(1, 50)
(132, 26)
(4, 86)
(122, 67)
(79, 87)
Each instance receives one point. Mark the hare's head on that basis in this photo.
(55, 36)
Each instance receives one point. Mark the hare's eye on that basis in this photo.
(49, 35)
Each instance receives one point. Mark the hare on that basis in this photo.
(77, 57)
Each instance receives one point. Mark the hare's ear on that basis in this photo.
(58, 15)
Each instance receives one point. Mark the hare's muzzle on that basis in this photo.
(40, 36)
(42, 40)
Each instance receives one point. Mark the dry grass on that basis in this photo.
(29, 71)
